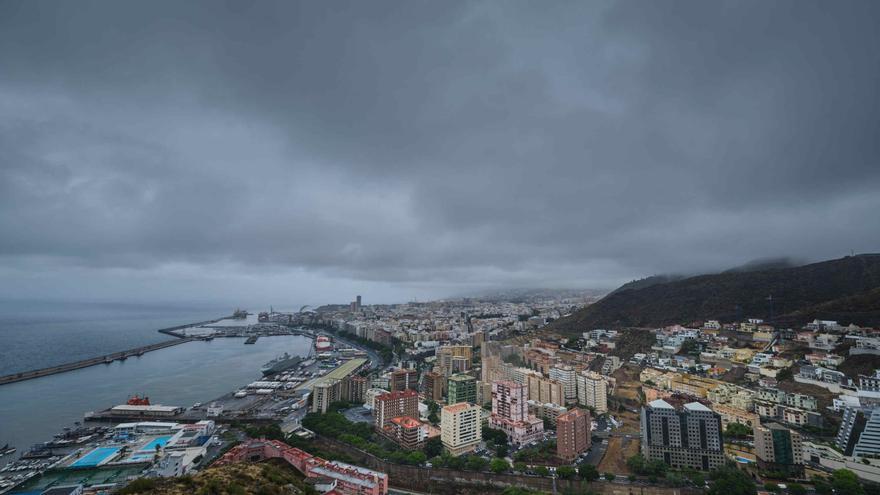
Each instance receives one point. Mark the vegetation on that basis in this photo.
(543, 452)
(265, 478)
(640, 465)
(588, 471)
(334, 424)
(499, 465)
(566, 472)
(728, 480)
(844, 289)
(796, 489)
(737, 430)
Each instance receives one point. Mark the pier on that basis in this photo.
(109, 358)
(85, 363)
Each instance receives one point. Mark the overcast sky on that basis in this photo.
(304, 152)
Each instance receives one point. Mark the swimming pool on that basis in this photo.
(151, 447)
(95, 457)
(743, 460)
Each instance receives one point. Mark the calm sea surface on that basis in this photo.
(32, 411)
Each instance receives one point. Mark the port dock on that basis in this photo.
(109, 358)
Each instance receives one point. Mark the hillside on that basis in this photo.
(264, 478)
(846, 289)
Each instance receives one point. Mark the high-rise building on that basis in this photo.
(357, 387)
(545, 390)
(572, 434)
(851, 428)
(779, 449)
(452, 359)
(510, 413)
(477, 339)
(404, 379)
(324, 393)
(460, 428)
(433, 385)
(686, 438)
(462, 388)
(395, 405)
(566, 376)
(592, 390)
(358, 303)
(869, 441)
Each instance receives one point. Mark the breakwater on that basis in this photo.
(108, 358)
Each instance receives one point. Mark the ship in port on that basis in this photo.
(281, 363)
(7, 450)
(263, 317)
(239, 314)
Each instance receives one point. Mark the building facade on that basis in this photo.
(572, 434)
(394, 405)
(689, 437)
(462, 388)
(460, 428)
(592, 391)
(779, 449)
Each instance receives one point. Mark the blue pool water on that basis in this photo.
(743, 460)
(151, 447)
(95, 457)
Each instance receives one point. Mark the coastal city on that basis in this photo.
(490, 394)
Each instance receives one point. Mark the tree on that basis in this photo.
(501, 451)
(499, 465)
(566, 472)
(476, 463)
(728, 480)
(772, 487)
(520, 467)
(542, 471)
(433, 447)
(737, 430)
(632, 478)
(845, 482)
(796, 489)
(609, 476)
(588, 471)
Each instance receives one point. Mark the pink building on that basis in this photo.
(510, 413)
(349, 479)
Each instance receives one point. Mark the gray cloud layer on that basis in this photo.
(424, 148)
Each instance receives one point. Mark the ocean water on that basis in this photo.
(36, 335)
(33, 410)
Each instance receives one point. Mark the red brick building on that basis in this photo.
(572, 434)
(395, 405)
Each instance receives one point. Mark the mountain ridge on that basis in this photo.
(848, 288)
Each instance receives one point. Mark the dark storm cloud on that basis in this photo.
(433, 145)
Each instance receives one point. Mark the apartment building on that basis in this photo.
(433, 386)
(566, 376)
(394, 405)
(689, 437)
(404, 379)
(510, 413)
(462, 388)
(779, 449)
(592, 390)
(460, 428)
(572, 434)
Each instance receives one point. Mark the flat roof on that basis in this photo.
(696, 406)
(339, 373)
(660, 404)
